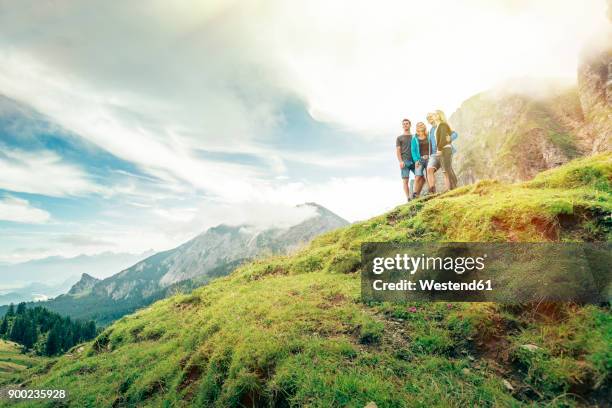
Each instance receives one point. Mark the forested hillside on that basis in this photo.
(44, 332)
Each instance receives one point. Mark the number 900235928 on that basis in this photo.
(31, 394)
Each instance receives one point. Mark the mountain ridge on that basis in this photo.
(213, 253)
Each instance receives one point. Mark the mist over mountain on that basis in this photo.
(54, 270)
(514, 132)
(35, 291)
(215, 252)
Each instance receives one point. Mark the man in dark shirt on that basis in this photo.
(404, 156)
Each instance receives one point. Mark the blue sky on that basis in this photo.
(129, 127)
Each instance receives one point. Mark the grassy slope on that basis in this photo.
(12, 361)
(290, 331)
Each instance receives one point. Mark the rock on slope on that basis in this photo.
(291, 331)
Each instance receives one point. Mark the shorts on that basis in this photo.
(407, 169)
(433, 162)
(421, 170)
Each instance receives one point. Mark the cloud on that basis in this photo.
(160, 95)
(160, 152)
(80, 240)
(364, 66)
(165, 228)
(42, 172)
(157, 85)
(166, 80)
(257, 214)
(17, 210)
(354, 198)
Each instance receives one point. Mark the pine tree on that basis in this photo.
(4, 327)
(29, 334)
(21, 308)
(11, 311)
(67, 336)
(17, 330)
(90, 331)
(52, 345)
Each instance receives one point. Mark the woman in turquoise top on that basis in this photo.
(421, 151)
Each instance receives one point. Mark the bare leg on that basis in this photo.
(450, 180)
(431, 179)
(406, 184)
(418, 184)
(453, 178)
(447, 182)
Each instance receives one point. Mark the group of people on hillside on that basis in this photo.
(423, 153)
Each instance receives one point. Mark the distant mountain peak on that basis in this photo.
(84, 285)
(223, 228)
(323, 212)
(312, 204)
(213, 253)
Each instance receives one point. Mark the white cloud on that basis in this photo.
(366, 65)
(257, 214)
(160, 152)
(354, 198)
(163, 82)
(82, 240)
(139, 231)
(18, 210)
(42, 172)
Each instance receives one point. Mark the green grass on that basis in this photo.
(292, 331)
(12, 361)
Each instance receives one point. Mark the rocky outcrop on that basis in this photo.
(595, 90)
(512, 136)
(227, 245)
(83, 286)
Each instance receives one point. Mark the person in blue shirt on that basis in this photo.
(433, 163)
(404, 156)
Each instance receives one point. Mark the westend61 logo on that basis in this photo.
(491, 272)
